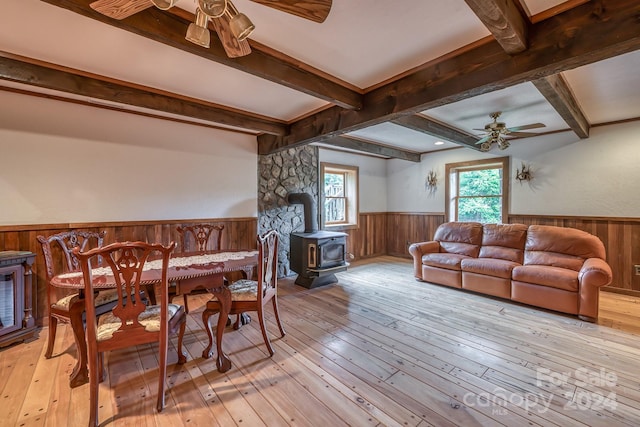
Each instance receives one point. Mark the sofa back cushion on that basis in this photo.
(561, 247)
(463, 238)
(504, 241)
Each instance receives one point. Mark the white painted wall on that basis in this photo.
(406, 181)
(372, 177)
(597, 176)
(61, 162)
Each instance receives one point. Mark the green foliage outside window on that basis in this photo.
(480, 196)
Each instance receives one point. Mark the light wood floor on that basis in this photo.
(379, 348)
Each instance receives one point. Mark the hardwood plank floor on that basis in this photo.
(377, 349)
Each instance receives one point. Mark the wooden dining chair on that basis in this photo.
(131, 322)
(197, 237)
(253, 295)
(70, 308)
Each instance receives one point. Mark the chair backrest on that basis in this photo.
(66, 241)
(126, 262)
(267, 264)
(205, 237)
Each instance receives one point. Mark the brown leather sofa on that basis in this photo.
(557, 268)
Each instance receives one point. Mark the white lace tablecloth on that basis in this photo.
(178, 261)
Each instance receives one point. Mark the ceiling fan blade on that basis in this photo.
(483, 139)
(524, 127)
(519, 134)
(232, 46)
(120, 9)
(314, 10)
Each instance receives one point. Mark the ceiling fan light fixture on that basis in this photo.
(503, 144)
(164, 4)
(213, 8)
(241, 26)
(197, 32)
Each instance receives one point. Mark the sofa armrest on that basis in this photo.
(417, 250)
(594, 274)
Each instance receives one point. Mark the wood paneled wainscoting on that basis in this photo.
(239, 233)
(390, 233)
(379, 233)
(369, 239)
(403, 229)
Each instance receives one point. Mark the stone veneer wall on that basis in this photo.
(294, 170)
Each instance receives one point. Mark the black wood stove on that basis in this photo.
(316, 255)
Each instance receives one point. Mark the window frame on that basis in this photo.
(351, 195)
(452, 171)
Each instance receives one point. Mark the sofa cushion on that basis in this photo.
(545, 275)
(463, 238)
(561, 247)
(504, 241)
(489, 266)
(553, 259)
(443, 260)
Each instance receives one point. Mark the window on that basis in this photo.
(478, 191)
(340, 195)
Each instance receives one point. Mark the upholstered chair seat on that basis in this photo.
(103, 297)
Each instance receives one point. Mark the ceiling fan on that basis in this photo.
(497, 132)
(232, 27)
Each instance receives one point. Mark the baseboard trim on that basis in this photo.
(614, 290)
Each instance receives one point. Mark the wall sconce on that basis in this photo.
(524, 174)
(431, 181)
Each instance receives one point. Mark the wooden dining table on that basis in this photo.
(196, 269)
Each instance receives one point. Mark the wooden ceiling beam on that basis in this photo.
(373, 148)
(169, 29)
(34, 74)
(583, 35)
(504, 20)
(561, 97)
(439, 130)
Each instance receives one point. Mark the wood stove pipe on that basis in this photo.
(310, 210)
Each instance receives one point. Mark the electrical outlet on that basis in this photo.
(637, 269)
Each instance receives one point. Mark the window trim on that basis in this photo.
(352, 203)
(451, 172)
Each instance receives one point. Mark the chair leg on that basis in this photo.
(277, 314)
(102, 371)
(182, 359)
(79, 375)
(162, 374)
(263, 327)
(94, 381)
(186, 304)
(53, 327)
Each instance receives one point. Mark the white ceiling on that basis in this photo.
(362, 43)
